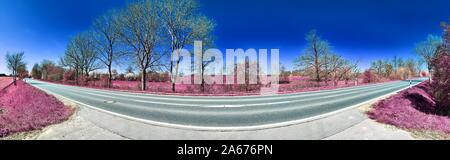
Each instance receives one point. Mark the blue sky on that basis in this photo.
(357, 29)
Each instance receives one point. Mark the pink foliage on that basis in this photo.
(296, 84)
(423, 74)
(25, 108)
(69, 75)
(412, 109)
(5, 81)
(369, 76)
(441, 83)
(298, 78)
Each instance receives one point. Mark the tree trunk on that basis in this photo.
(202, 86)
(76, 76)
(173, 87)
(173, 79)
(109, 76)
(171, 67)
(143, 80)
(317, 69)
(14, 78)
(175, 76)
(317, 76)
(430, 76)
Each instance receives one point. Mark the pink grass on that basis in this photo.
(5, 81)
(413, 109)
(25, 108)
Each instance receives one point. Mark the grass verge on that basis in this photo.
(25, 108)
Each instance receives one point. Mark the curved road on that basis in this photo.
(222, 112)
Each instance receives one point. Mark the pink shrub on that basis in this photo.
(441, 84)
(412, 109)
(26, 108)
(83, 81)
(369, 76)
(69, 75)
(423, 74)
(102, 82)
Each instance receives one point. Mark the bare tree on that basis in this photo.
(340, 69)
(351, 72)
(89, 54)
(14, 61)
(184, 25)
(72, 59)
(106, 38)
(378, 67)
(337, 64)
(81, 55)
(419, 66)
(205, 63)
(428, 50)
(204, 33)
(139, 28)
(313, 58)
(411, 66)
(395, 63)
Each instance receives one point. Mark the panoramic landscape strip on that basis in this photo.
(158, 69)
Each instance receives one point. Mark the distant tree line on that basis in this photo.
(393, 69)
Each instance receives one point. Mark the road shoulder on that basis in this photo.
(371, 130)
(76, 128)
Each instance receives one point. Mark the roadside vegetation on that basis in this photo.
(423, 109)
(24, 108)
(5, 81)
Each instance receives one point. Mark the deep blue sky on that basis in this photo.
(357, 29)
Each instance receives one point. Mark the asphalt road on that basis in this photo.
(222, 111)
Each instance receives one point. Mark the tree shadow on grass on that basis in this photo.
(422, 100)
